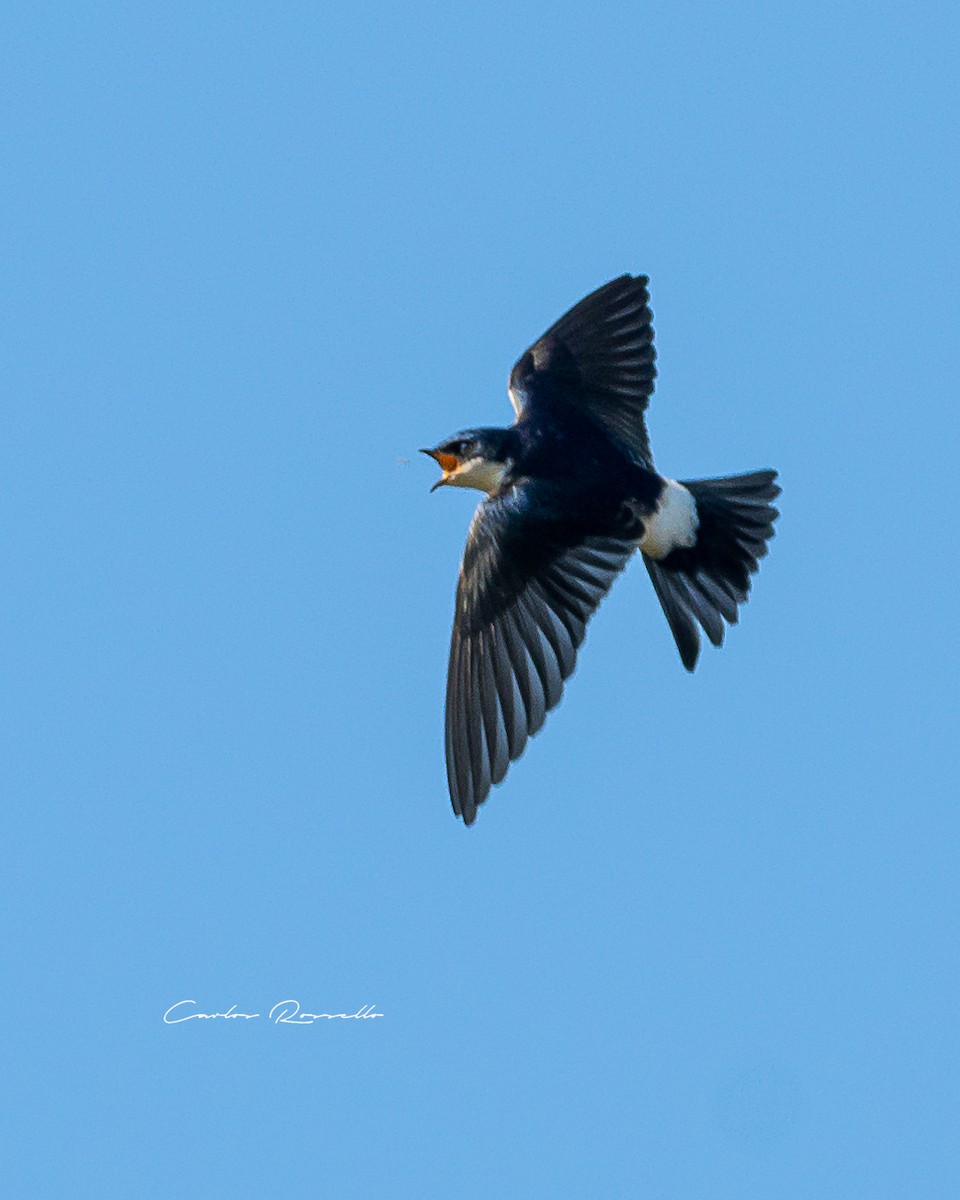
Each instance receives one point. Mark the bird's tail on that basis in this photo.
(704, 583)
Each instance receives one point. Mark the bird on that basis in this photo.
(571, 496)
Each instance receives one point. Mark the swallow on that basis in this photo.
(571, 495)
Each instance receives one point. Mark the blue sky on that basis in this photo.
(703, 941)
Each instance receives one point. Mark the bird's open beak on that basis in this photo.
(448, 463)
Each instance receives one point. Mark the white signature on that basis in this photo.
(286, 1012)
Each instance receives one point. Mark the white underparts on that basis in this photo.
(478, 473)
(673, 524)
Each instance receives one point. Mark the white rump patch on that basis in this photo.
(674, 524)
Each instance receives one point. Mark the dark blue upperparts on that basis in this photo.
(598, 358)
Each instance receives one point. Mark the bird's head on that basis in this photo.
(476, 458)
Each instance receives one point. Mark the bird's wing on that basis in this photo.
(599, 357)
(523, 601)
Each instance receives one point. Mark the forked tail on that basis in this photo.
(704, 583)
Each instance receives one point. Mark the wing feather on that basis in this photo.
(600, 358)
(521, 616)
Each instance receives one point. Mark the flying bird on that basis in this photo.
(571, 495)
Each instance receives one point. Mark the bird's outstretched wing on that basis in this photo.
(599, 357)
(524, 597)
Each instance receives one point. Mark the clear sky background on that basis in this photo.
(703, 942)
